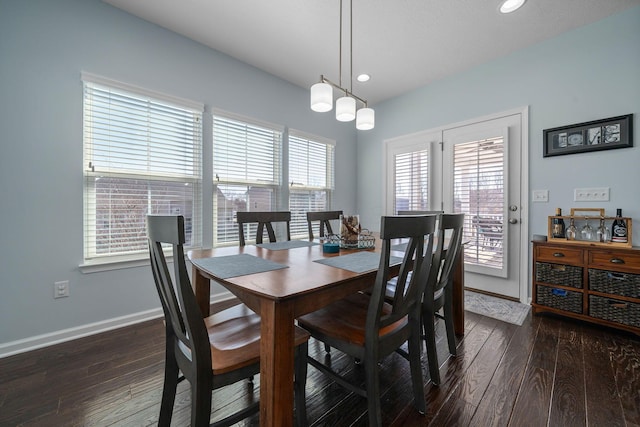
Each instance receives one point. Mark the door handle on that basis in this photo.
(513, 221)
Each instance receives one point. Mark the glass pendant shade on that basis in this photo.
(345, 109)
(366, 119)
(321, 97)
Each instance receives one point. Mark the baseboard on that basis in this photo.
(52, 338)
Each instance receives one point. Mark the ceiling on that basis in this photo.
(402, 44)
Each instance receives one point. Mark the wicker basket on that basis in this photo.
(559, 274)
(610, 282)
(626, 313)
(561, 299)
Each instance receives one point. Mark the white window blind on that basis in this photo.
(247, 170)
(411, 181)
(479, 193)
(311, 178)
(142, 155)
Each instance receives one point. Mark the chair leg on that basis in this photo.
(201, 401)
(373, 390)
(171, 373)
(430, 338)
(300, 383)
(448, 319)
(416, 367)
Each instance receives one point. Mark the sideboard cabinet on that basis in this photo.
(597, 284)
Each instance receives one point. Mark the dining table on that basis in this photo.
(281, 281)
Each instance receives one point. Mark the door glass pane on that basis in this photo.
(479, 171)
(411, 181)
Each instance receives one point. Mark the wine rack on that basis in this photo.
(593, 215)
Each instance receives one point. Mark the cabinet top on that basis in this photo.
(578, 244)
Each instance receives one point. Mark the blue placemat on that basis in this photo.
(358, 262)
(236, 265)
(401, 247)
(278, 246)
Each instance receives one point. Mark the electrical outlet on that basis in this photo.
(61, 289)
(540, 195)
(591, 194)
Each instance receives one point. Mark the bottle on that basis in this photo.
(572, 230)
(619, 228)
(557, 225)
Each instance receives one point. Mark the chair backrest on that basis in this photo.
(450, 230)
(419, 230)
(324, 217)
(264, 220)
(183, 318)
(419, 212)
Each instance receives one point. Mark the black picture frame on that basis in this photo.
(605, 134)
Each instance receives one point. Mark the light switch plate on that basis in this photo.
(600, 194)
(540, 195)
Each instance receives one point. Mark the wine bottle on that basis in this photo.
(557, 225)
(619, 228)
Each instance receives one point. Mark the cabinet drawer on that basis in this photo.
(623, 312)
(559, 255)
(612, 282)
(559, 298)
(611, 260)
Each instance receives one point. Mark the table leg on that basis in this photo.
(276, 364)
(202, 288)
(458, 293)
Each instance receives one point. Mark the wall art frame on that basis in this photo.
(605, 134)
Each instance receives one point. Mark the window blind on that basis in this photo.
(142, 155)
(412, 181)
(247, 170)
(479, 193)
(311, 178)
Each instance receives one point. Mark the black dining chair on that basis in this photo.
(210, 352)
(368, 328)
(438, 294)
(324, 218)
(264, 220)
(419, 212)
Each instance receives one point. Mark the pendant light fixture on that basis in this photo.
(346, 105)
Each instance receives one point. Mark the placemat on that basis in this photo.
(401, 247)
(358, 262)
(236, 265)
(278, 246)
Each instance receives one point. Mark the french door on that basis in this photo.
(475, 168)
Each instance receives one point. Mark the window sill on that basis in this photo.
(116, 263)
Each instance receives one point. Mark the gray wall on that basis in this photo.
(587, 74)
(44, 45)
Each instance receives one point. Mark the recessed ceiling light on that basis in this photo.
(363, 77)
(509, 6)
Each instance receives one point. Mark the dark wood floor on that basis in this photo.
(547, 372)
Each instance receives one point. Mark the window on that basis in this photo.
(479, 191)
(142, 154)
(411, 171)
(311, 162)
(246, 171)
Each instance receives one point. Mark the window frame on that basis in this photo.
(91, 86)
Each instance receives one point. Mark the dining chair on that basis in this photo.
(210, 352)
(263, 220)
(438, 294)
(324, 217)
(368, 328)
(419, 212)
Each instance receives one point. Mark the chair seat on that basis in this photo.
(234, 336)
(345, 319)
